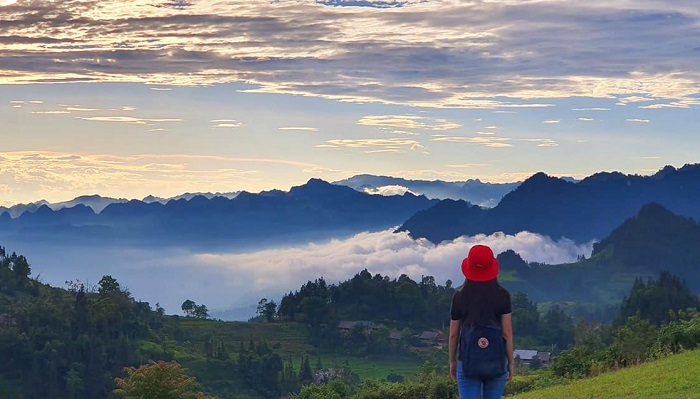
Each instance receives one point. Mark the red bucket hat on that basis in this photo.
(480, 264)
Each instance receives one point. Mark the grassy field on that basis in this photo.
(674, 377)
(375, 369)
(288, 339)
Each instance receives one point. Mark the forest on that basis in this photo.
(96, 342)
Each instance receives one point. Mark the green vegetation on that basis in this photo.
(673, 377)
(85, 342)
(162, 380)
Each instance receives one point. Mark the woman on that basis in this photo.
(480, 302)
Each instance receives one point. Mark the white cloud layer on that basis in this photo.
(232, 280)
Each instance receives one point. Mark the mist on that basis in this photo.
(232, 282)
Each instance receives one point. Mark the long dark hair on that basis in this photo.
(476, 297)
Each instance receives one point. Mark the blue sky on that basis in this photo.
(126, 99)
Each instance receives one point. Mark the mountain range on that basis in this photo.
(313, 211)
(473, 191)
(583, 211)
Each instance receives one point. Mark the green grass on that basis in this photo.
(674, 377)
(290, 338)
(374, 369)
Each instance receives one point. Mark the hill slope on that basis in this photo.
(674, 377)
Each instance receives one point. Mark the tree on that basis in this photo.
(260, 311)
(270, 310)
(161, 380)
(108, 285)
(188, 307)
(200, 311)
(20, 267)
(657, 300)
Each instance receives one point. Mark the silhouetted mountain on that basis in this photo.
(655, 240)
(316, 210)
(445, 220)
(189, 196)
(472, 191)
(582, 211)
(16, 210)
(96, 202)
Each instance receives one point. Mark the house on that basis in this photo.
(396, 335)
(441, 337)
(347, 325)
(428, 338)
(325, 375)
(545, 358)
(528, 356)
(525, 355)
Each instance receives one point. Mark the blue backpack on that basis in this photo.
(482, 351)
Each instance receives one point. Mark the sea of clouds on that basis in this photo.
(236, 280)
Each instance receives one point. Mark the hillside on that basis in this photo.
(583, 211)
(673, 377)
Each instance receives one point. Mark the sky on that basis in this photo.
(131, 98)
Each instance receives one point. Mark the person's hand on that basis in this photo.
(453, 370)
(510, 372)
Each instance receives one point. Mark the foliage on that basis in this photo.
(66, 343)
(657, 300)
(672, 377)
(639, 338)
(191, 309)
(423, 303)
(158, 380)
(424, 387)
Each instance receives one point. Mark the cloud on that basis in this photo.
(388, 190)
(239, 278)
(542, 142)
(468, 165)
(408, 122)
(590, 109)
(551, 121)
(59, 176)
(638, 120)
(129, 119)
(423, 53)
(299, 129)
(585, 119)
(375, 145)
(685, 103)
(494, 142)
(226, 124)
(633, 99)
(385, 252)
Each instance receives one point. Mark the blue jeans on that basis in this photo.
(477, 389)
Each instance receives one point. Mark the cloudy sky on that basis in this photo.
(130, 98)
